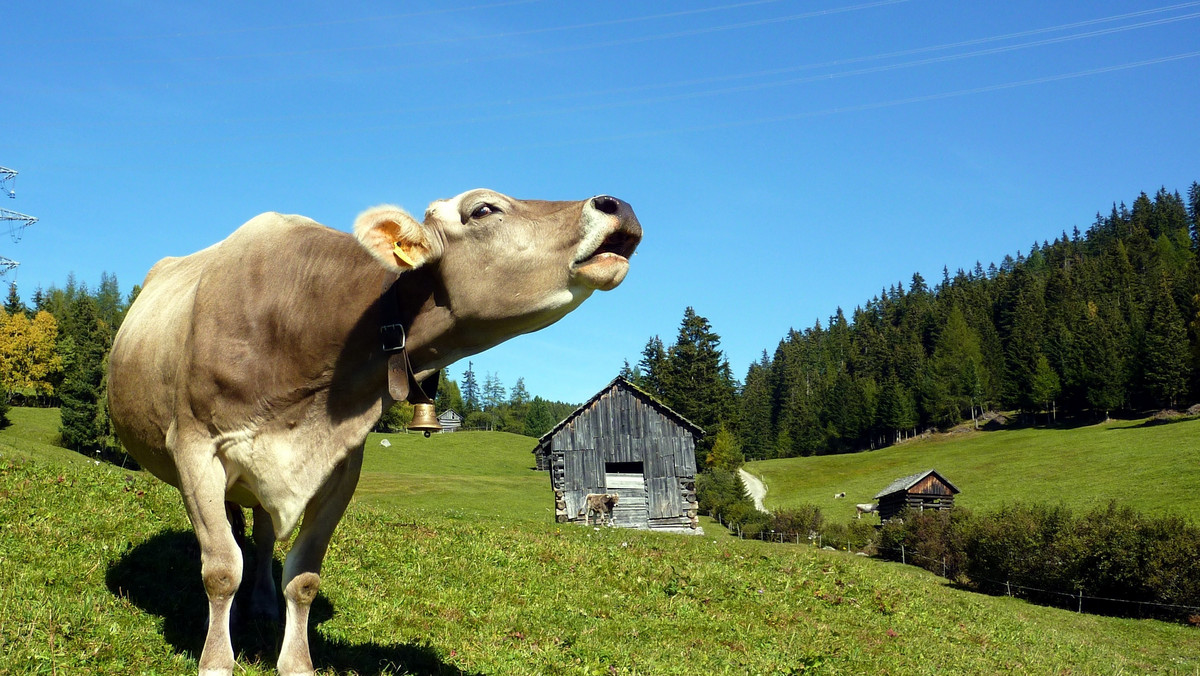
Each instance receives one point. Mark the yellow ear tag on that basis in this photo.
(402, 255)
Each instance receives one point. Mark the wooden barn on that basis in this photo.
(624, 441)
(921, 491)
(450, 420)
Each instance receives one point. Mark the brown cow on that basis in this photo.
(600, 504)
(252, 371)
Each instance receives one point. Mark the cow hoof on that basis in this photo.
(216, 672)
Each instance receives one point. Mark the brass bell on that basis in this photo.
(425, 419)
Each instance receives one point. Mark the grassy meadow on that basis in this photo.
(99, 573)
(484, 473)
(1153, 468)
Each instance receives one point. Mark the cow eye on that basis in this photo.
(483, 210)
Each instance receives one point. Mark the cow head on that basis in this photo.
(520, 262)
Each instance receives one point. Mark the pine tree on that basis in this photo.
(1193, 208)
(628, 373)
(957, 368)
(1022, 312)
(898, 409)
(538, 418)
(755, 411)
(726, 453)
(83, 426)
(448, 396)
(13, 304)
(109, 307)
(1103, 339)
(650, 370)
(696, 381)
(470, 391)
(518, 396)
(1045, 385)
(1165, 356)
(493, 398)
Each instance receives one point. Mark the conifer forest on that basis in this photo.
(1084, 326)
(1081, 327)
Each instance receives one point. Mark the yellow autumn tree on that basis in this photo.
(29, 360)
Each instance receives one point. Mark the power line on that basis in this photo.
(536, 31)
(281, 27)
(795, 68)
(760, 120)
(827, 64)
(849, 109)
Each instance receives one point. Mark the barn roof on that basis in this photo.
(907, 482)
(622, 382)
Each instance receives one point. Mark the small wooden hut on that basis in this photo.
(626, 442)
(450, 420)
(921, 491)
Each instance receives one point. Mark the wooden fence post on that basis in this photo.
(903, 558)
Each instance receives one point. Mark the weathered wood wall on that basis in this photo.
(621, 434)
(893, 504)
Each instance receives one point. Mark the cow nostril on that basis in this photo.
(606, 204)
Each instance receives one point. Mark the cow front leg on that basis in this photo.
(220, 560)
(302, 569)
(263, 602)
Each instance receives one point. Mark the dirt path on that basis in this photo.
(755, 487)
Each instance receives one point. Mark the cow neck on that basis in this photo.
(404, 299)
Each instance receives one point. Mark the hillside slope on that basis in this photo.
(1154, 468)
(99, 574)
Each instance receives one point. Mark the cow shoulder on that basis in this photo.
(277, 308)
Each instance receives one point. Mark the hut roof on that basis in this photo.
(905, 483)
(682, 421)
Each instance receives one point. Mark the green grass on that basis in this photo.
(1154, 468)
(99, 573)
(33, 433)
(487, 474)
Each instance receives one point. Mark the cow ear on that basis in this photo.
(394, 238)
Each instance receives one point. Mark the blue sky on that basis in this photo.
(785, 157)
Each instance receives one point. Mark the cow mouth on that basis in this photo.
(606, 267)
(620, 243)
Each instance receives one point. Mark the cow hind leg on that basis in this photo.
(302, 569)
(220, 561)
(263, 601)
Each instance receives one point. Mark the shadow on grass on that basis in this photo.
(1155, 421)
(1039, 422)
(162, 577)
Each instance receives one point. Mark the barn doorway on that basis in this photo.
(627, 480)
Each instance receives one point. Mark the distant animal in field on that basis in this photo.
(839, 495)
(251, 372)
(865, 508)
(601, 504)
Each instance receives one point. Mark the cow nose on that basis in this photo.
(606, 204)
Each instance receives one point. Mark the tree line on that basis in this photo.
(1093, 323)
(54, 353)
(491, 406)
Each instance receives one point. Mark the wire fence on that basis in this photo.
(1074, 600)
